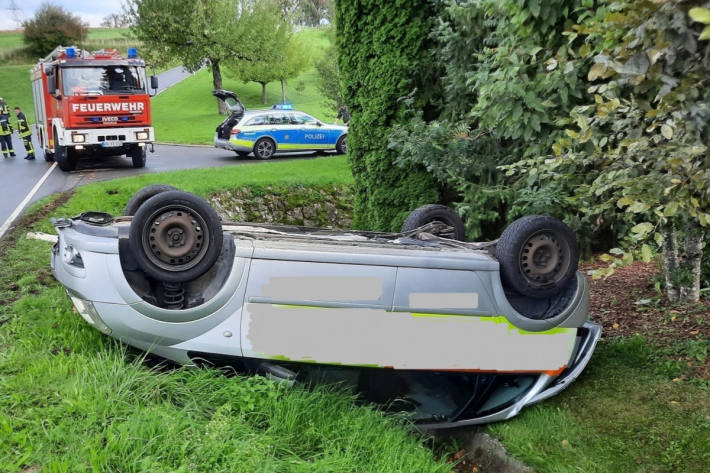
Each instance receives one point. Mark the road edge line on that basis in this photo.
(18, 210)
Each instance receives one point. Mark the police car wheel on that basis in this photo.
(264, 148)
(342, 145)
(175, 236)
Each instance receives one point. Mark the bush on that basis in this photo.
(52, 26)
(380, 47)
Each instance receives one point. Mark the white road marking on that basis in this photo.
(6, 226)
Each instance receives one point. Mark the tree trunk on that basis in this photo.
(283, 91)
(670, 261)
(263, 92)
(217, 84)
(692, 257)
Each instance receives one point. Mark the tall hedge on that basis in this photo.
(383, 56)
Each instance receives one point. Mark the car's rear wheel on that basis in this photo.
(175, 236)
(436, 213)
(342, 145)
(538, 256)
(144, 194)
(264, 148)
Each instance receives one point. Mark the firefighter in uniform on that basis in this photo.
(5, 130)
(23, 129)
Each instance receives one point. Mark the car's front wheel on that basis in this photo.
(175, 236)
(264, 148)
(342, 145)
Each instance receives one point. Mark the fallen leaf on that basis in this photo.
(565, 443)
(615, 325)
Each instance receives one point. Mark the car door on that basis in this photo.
(312, 134)
(281, 129)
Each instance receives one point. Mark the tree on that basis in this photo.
(52, 26)
(212, 31)
(311, 12)
(641, 145)
(296, 57)
(272, 62)
(115, 20)
(329, 74)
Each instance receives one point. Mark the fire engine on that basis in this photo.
(92, 104)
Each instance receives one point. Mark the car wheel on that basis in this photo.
(436, 213)
(175, 236)
(144, 194)
(538, 256)
(66, 160)
(264, 148)
(242, 154)
(342, 145)
(138, 154)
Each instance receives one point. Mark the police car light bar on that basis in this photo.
(282, 106)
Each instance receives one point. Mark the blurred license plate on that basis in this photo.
(111, 144)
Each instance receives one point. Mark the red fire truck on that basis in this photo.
(92, 104)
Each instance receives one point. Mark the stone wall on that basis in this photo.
(321, 206)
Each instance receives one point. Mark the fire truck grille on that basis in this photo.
(112, 138)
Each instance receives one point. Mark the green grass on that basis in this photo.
(187, 112)
(74, 400)
(624, 414)
(16, 89)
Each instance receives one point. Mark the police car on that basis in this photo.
(278, 129)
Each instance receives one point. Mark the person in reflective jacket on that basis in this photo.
(6, 137)
(4, 109)
(25, 132)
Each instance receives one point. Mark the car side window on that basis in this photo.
(279, 118)
(258, 120)
(303, 119)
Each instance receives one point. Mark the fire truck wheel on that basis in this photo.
(138, 156)
(66, 160)
(48, 156)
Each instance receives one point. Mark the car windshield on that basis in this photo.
(103, 80)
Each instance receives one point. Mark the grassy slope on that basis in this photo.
(16, 89)
(13, 39)
(187, 112)
(73, 400)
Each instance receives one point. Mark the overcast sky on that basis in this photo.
(90, 11)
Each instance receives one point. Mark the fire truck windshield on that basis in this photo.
(103, 80)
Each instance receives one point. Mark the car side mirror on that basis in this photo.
(319, 123)
(153, 82)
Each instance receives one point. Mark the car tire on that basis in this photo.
(138, 156)
(538, 256)
(242, 154)
(175, 237)
(436, 213)
(342, 145)
(66, 160)
(144, 194)
(264, 148)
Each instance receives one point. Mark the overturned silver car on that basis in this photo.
(451, 332)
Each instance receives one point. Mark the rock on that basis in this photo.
(486, 452)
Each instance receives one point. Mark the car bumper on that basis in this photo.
(233, 145)
(545, 387)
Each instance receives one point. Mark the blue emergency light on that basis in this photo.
(282, 106)
(70, 52)
(132, 53)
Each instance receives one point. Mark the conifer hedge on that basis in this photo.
(383, 56)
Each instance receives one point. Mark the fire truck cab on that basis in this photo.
(92, 104)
